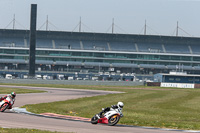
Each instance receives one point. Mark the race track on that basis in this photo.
(10, 119)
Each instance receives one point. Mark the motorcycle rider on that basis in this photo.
(119, 106)
(12, 97)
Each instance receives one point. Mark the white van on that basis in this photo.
(8, 76)
(61, 77)
(25, 76)
(95, 78)
(38, 76)
(70, 78)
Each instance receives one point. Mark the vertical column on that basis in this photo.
(32, 39)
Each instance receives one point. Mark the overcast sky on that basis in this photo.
(97, 15)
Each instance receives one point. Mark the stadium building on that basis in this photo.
(98, 53)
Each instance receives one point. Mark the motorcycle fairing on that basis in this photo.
(110, 113)
(103, 120)
(8, 100)
(2, 102)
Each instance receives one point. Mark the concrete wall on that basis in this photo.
(71, 82)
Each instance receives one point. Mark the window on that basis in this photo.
(109, 55)
(175, 57)
(76, 54)
(9, 51)
(121, 56)
(21, 52)
(86, 54)
(98, 54)
(163, 57)
(190, 79)
(196, 58)
(186, 58)
(133, 56)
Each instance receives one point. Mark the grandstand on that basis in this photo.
(66, 52)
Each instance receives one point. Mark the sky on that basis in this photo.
(97, 16)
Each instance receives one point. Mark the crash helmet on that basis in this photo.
(13, 94)
(120, 104)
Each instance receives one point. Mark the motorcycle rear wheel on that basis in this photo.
(113, 120)
(4, 107)
(94, 120)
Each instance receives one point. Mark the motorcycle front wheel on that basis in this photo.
(4, 107)
(113, 120)
(94, 120)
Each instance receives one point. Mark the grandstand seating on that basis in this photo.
(95, 45)
(122, 46)
(11, 42)
(113, 46)
(44, 43)
(102, 45)
(177, 48)
(195, 49)
(150, 47)
(67, 44)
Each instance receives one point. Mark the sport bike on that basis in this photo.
(6, 104)
(111, 117)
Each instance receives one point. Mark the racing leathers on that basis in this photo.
(12, 98)
(107, 109)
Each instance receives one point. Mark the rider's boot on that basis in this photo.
(98, 116)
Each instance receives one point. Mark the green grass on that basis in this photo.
(5, 90)
(152, 106)
(22, 130)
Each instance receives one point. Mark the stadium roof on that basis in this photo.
(100, 36)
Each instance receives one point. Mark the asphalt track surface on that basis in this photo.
(10, 119)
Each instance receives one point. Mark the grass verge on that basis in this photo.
(5, 90)
(144, 106)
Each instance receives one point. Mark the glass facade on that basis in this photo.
(106, 56)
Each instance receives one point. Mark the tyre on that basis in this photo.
(4, 107)
(94, 120)
(113, 120)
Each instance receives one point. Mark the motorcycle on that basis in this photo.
(6, 104)
(111, 117)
